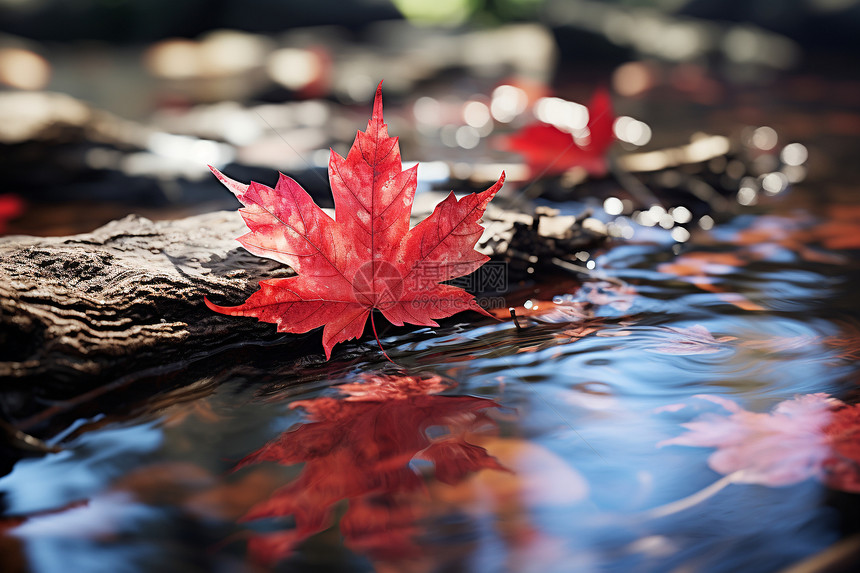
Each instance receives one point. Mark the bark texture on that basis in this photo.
(124, 296)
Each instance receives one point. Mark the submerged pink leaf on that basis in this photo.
(813, 435)
(693, 340)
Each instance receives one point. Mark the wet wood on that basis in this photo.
(125, 296)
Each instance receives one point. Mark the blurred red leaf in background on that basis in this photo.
(11, 206)
(550, 151)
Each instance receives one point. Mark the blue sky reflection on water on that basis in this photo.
(86, 467)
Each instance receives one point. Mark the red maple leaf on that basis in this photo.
(550, 151)
(367, 258)
(813, 435)
(360, 447)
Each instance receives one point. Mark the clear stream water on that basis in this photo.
(573, 406)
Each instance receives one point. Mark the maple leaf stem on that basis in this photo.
(696, 498)
(376, 336)
(514, 316)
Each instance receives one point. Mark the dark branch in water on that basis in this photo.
(514, 316)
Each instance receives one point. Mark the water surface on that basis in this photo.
(487, 447)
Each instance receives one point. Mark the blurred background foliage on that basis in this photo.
(826, 22)
(116, 106)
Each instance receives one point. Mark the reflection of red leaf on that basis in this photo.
(455, 459)
(368, 258)
(274, 546)
(809, 436)
(360, 448)
(550, 151)
(378, 527)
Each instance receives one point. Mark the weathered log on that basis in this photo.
(122, 297)
(78, 312)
